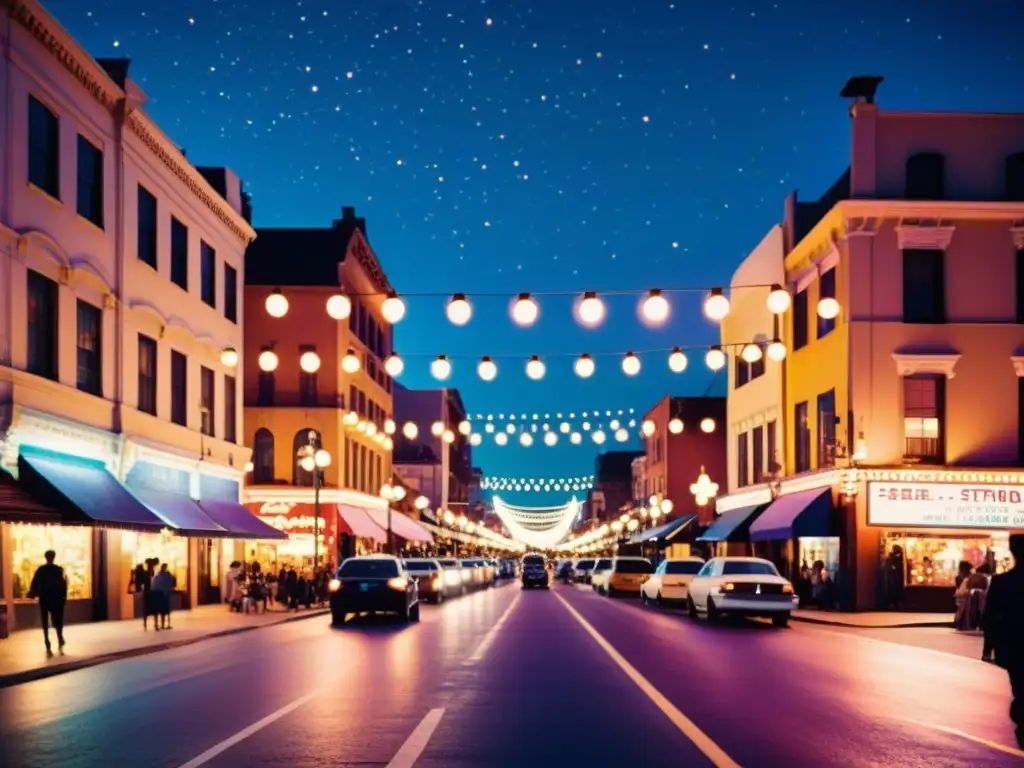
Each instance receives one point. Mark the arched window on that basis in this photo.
(1015, 178)
(299, 475)
(263, 457)
(926, 173)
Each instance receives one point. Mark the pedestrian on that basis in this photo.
(895, 577)
(144, 585)
(1003, 623)
(162, 588)
(50, 587)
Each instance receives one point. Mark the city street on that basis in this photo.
(511, 678)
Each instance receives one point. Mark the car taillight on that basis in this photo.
(787, 589)
(399, 582)
(333, 585)
(727, 587)
(436, 582)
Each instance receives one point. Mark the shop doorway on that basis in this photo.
(209, 572)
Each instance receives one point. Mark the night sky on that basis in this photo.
(499, 147)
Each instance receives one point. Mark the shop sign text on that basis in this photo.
(946, 505)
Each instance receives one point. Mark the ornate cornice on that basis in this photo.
(369, 262)
(924, 235)
(860, 226)
(937, 365)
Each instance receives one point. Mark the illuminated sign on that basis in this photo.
(946, 505)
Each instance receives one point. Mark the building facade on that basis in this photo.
(639, 471)
(612, 492)
(120, 328)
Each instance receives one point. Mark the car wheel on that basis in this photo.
(337, 619)
(713, 614)
(781, 620)
(691, 608)
(414, 612)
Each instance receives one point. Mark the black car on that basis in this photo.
(374, 584)
(535, 571)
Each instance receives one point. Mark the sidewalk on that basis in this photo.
(23, 656)
(874, 619)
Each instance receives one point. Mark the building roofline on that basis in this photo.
(931, 115)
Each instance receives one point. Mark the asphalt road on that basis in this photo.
(505, 678)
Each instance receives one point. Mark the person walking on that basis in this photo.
(50, 586)
(163, 587)
(1003, 624)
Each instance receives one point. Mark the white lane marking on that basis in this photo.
(245, 733)
(701, 740)
(492, 635)
(417, 741)
(976, 739)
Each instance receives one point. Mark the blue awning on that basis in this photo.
(662, 532)
(729, 522)
(795, 515)
(238, 521)
(86, 486)
(181, 512)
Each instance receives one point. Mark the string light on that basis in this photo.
(779, 300)
(715, 358)
(393, 308)
(448, 436)
(647, 428)
(475, 439)
(486, 369)
(501, 438)
(525, 439)
(229, 357)
(550, 439)
(751, 353)
(631, 364)
(707, 425)
(525, 310)
(410, 430)
(309, 362)
(655, 308)
(716, 305)
(394, 365)
(776, 351)
(459, 310)
(437, 428)
(598, 436)
(677, 361)
(350, 362)
(591, 309)
(507, 482)
(464, 427)
(276, 304)
(268, 361)
(675, 426)
(535, 368)
(828, 308)
(339, 307)
(441, 368)
(390, 427)
(584, 366)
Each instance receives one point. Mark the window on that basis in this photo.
(90, 325)
(757, 367)
(1015, 178)
(923, 418)
(208, 267)
(383, 568)
(90, 181)
(924, 286)
(147, 375)
(263, 457)
(757, 438)
(179, 388)
(742, 371)
(42, 326)
(748, 568)
(742, 460)
(147, 227)
(179, 254)
(682, 567)
(802, 438)
(43, 148)
(230, 293)
(230, 410)
(926, 176)
(800, 320)
(1019, 285)
(307, 381)
(772, 447)
(207, 402)
(73, 545)
(827, 428)
(826, 290)
(265, 388)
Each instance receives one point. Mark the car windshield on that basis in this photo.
(420, 565)
(449, 563)
(688, 568)
(534, 560)
(633, 566)
(585, 565)
(603, 565)
(748, 568)
(368, 569)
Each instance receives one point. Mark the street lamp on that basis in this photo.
(391, 493)
(314, 459)
(704, 489)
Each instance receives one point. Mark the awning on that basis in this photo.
(794, 515)
(17, 505)
(86, 486)
(729, 522)
(663, 532)
(359, 523)
(403, 526)
(238, 521)
(181, 512)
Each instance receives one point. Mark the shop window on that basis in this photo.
(147, 375)
(230, 409)
(923, 418)
(90, 182)
(827, 429)
(146, 234)
(263, 457)
(742, 460)
(137, 548)
(925, 176)
(757, 439)
(800, 320)
(42, 326)
(179, 254)
(299, 475)
(825, 549)
(179, 388)
(89, 353)
(802, 438)
(230, 293)
(43, 148)
(924, 286)
(207, 401)
(1015, 178)
(933, 561)
(207, 273)
(73, 546)
(265, 388)
(827, 290)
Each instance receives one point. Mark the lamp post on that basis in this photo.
(391, 493)
(314, 459)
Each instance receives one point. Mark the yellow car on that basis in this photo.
(626, 576)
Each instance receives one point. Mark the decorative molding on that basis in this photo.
(1018, 365)
(304, 495)
(1017, 233)
(109, 301)
(939, 365)
(860, 226)
(367, 259)
(33, 427)
(746, 497)
(932, 237)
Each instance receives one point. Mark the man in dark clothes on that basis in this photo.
(50, 586)
(1003, 623)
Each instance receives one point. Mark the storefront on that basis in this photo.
(797, 529)
(729, 532)
(411, 539)
(675, 538)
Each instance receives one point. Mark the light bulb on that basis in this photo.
(525, 439)
(677, 361)
(441, 368)
(339, 307)
(394, 365)
(388, 444)
(459, 310)
(675, 426)
(229, 357)
(630, 364)
(535, 368)
(584, 366)
(564, 428)
(715, 358)
(752, 353)
(268, 360)
(779, 300)
(716, 305)
(591, 309)
(621, 434)
(598, 436)
(475, 439)
(390, 426)
(707, 425)
(448, 436)
(655, 308)
(647, 427)
(350, 362)
(464, 428)
(393, 308)
(828, 308)
(422, 502)
(575, 438)
(307, 463)
(550, 438)
(501, 439)
(776, 351)
(309, 362)
(350, 419)
(486, 369)
(525, 310)
(410, 430)
(277, 304)
(322, 459)
(437, 428)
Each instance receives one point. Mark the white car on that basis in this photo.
(599, 575)
(741, 586)
(670, 582)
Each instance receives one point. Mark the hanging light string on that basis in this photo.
(499, 483)
(541, 539)
(538, 418)
(552, 293)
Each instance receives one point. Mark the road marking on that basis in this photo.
(701, 740)
(492, 635)
(417, 741)
(245, 733)
(976, 739)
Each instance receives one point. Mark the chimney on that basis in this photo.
(864, 123)
(350, 221)
(348, 212)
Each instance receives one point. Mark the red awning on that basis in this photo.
(402, 526)
(357, 521)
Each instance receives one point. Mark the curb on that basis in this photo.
(42, 673)
(850, 625)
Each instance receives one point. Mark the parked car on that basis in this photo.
(741, 586)
(455, 577)
(477, 574)
(582, 570)
(535, 571)
(670, 581)
(626, 575)
(373, 584)
(599, 574)
(430, 577)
